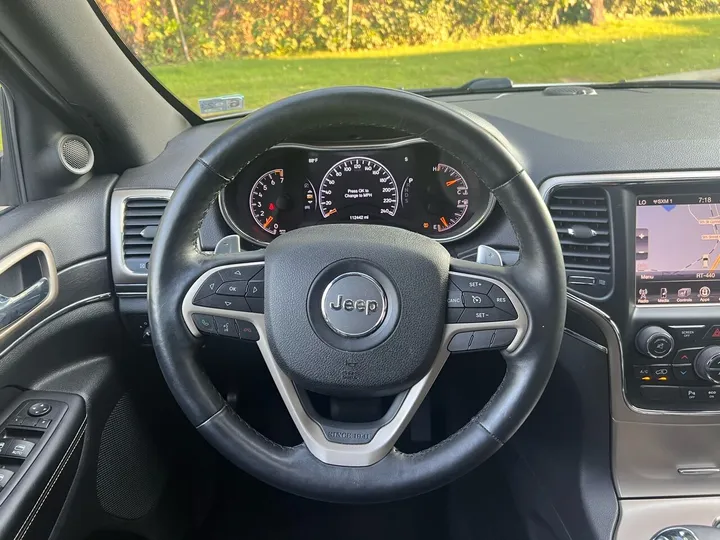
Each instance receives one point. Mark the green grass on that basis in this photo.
(617, 50)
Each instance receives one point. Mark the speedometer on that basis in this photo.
(358, 189)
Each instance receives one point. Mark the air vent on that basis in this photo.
(140, 222)
(582, 221)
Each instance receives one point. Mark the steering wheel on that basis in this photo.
(357, 311)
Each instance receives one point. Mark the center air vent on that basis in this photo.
(140, 222)
(582, 220)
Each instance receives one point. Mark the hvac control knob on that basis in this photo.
(707, 364)
(654, 342)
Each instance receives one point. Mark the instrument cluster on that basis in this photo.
(410, 184)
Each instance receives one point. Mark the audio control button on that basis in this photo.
(654, 341)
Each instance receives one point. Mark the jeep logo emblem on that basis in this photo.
(354, 305)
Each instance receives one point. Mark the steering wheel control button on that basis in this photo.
(501, 300)
(476, 300)
(460, 342)
(204, 323)
(247, 331)
(226, 327)
(471, 284)
(240, 273)
(686, 356)
(484, 315)
(455, 297)
(452, 315)
(39, 409)
(5, 476)
(353, 305)
(231, 303)
(257, 305)
(210, 286)
(233, 288)
(481, 339)
(255, 289)
(19, 448)
(503, 337)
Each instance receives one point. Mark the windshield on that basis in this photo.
(222, 56)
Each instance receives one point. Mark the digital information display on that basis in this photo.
(677, 249)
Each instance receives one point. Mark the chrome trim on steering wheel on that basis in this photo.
(353, 455)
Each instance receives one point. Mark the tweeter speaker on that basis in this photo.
(76, 154)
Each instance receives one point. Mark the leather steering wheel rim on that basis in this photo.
(538, 280)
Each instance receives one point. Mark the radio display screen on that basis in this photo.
(677, 249)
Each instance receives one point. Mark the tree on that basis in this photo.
(176, 13)
(597, 12)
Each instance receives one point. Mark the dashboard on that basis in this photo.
(406, 183)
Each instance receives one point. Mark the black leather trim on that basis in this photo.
(538, 279)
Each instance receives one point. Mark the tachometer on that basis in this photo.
(273, 208)
(358, 189)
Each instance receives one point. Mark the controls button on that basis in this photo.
(660, 393)
(460, 342)
(686, 356)
(247, 331)
(642, 373)
(209, 287)
(684, 372)
(504, 337)
(256, 289)
(20, 448)
(240, 273)
(475, 300)
(484, 315)
(452, 315)
(232, 303)
(688, 333)
(5, 476)
(454, 297)
(660, 346)
(204, 323)
(471, 284)
(43, 423)
(481, 339)
(233, 288)
(5, 446)
(39, 409)
(257, 305)
(226, 327)
(713, 334)
(501, 300)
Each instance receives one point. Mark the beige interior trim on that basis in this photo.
(641, 518)
(49, 271)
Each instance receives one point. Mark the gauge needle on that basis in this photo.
(331, 212)
(268, 221)
(444, 222)
(451, 182)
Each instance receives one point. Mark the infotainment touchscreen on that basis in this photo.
(677, 249)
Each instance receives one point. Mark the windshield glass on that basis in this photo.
(222, 56)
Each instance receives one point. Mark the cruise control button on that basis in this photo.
(232, 303)
(454, 297)
(504, 337)
(475, 300)
(204, 323)
(20, 448)
(501, 300)
(240, 273)
(483, 315)
(452, 315)
(256, 289)
(481, 339)
(460, 342)
(684, 372)
(233, 288)
(209, 287)
(471, 284)
(247, 331)
(686, 356)
(226, 327)
(5, 476)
